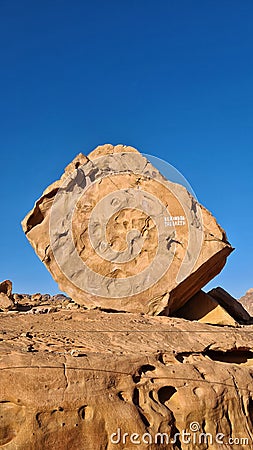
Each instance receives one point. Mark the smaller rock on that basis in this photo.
(230, 304)
(6, 302)
(6, 287)
(22, 299)
(203, 308)
(60, 298)
(46, 298)
(36, 297)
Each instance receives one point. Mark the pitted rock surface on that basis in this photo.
(115, 234)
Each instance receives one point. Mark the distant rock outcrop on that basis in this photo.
(247, 301)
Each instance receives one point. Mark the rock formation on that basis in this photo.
(5, 295)
(247, 301)
(79, 379)
(35, 303)
(215, 307)
(115, 234)
(231, 305)
(204, 308)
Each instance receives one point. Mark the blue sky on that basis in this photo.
(172, 78)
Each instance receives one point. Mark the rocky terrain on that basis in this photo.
(125, 364)
(71, 377)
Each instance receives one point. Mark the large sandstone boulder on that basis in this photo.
(115, 234)
(80, 380)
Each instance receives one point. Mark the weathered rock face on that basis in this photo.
(247, 301)
(6, 287)
(115, 234)
(6, 302)
(72, 379)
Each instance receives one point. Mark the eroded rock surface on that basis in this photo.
(70, 379)
(6, 301)
(247, 301)
(115, 234)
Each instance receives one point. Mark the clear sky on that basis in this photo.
(173, 78)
